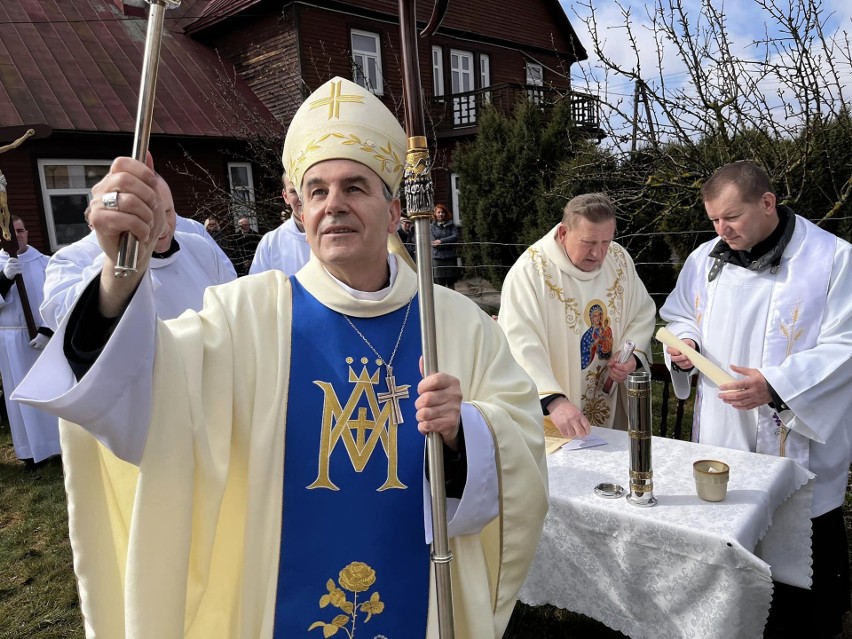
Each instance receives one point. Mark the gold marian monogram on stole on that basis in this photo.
(359, 432)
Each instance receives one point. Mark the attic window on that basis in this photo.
(367, 61)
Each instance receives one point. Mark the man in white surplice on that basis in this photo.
(188, 543)
(772, 300)
(285, 248)
(568, 304)
(183, 265)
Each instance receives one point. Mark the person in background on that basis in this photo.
(407, 235)
(772, 300)
(245, 245)
(445, 236)
(286, 248)
(567, 306)
(35, 434)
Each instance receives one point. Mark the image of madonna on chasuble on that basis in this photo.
(179, 523)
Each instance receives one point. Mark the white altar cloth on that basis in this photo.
(685, 567)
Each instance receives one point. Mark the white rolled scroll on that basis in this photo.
(713, 372)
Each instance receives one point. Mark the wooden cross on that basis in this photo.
(393, 395)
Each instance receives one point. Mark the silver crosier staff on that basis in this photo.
(420, 204)
(128, 246)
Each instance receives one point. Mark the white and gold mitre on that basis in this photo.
(343, 121)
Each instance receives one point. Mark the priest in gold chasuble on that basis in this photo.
(256, 469)
(569, 303)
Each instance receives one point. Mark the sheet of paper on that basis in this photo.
(554, 440)
(589, 441)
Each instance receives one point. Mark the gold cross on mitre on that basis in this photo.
(335, 99)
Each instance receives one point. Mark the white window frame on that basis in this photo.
(464, 109)
(360, 69)
(437, 70)
(485, 76)
(46, 192)
(242, 195)
(455, 195)
(535, 77)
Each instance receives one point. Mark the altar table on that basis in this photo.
(685, 567)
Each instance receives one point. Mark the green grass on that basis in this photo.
(38, 597)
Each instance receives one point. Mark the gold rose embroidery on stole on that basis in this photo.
(356, 578)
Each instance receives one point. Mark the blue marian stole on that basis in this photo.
(354, 561)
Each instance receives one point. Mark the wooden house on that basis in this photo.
(232, 74)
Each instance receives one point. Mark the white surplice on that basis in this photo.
(194, 227)
(179, 280)
(285, 249)
(544, 310)
(35, 434)
(208, 480)
(795, 326)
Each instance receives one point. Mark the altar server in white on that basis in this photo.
(35, 435)
(567, 306)
(772, 301)
(182, 267)
(285, 248)
(311, 384)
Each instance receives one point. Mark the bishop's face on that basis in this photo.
(741, 224)
(347, 221)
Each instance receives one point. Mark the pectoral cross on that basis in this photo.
(393, 395)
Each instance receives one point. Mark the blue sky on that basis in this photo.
(746, 21)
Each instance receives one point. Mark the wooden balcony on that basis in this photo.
(456, 114)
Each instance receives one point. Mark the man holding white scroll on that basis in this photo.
(771, 301)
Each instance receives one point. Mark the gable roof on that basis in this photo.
(464, 18)
(76, 66)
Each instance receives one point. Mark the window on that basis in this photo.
(242, 192)
(485, 75)
(66, 190)
(438, 70)
(535, 78)
(461, 76)
(367, 61)
(455, 194)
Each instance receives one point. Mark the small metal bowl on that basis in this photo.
(609, 491)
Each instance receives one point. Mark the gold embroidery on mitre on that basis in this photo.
(360, 432)
(790, 331)
(357, 577)
(570, 306)
(335, 99)
(389, 161)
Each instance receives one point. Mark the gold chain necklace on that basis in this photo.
(394, 392)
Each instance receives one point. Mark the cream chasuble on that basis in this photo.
(564, 324)
(795, 326)
(154, 546)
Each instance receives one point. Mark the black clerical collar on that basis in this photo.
(174, 247)
(766, 254)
